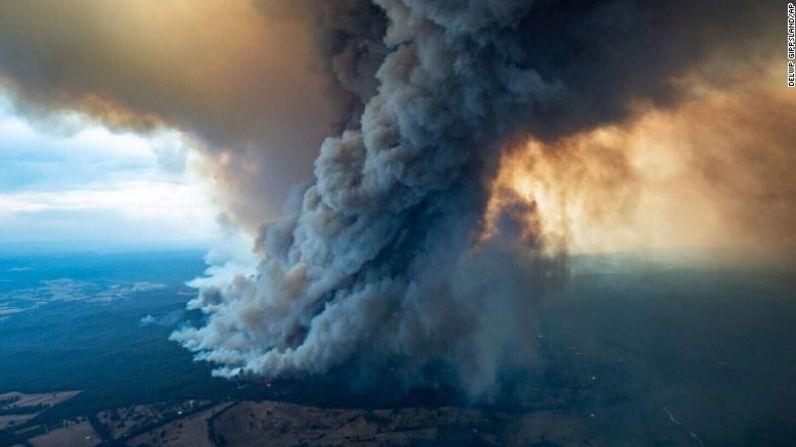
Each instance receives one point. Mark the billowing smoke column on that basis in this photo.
(381, 255)
(374, 257)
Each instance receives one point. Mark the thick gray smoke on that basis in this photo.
(381, 255)
(348, 37)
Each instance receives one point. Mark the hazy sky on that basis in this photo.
(241, 85)
(72, 180)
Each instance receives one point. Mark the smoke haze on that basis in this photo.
(709, 175)
(242, 85)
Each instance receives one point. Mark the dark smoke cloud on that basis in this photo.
(381, 255)
(349, 46)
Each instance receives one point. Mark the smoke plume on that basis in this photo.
(381, 254)
(392, 252)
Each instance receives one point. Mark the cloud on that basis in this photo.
(126, 212)
(36, 160)
(128, 186)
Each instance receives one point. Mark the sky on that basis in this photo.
(73, 181)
